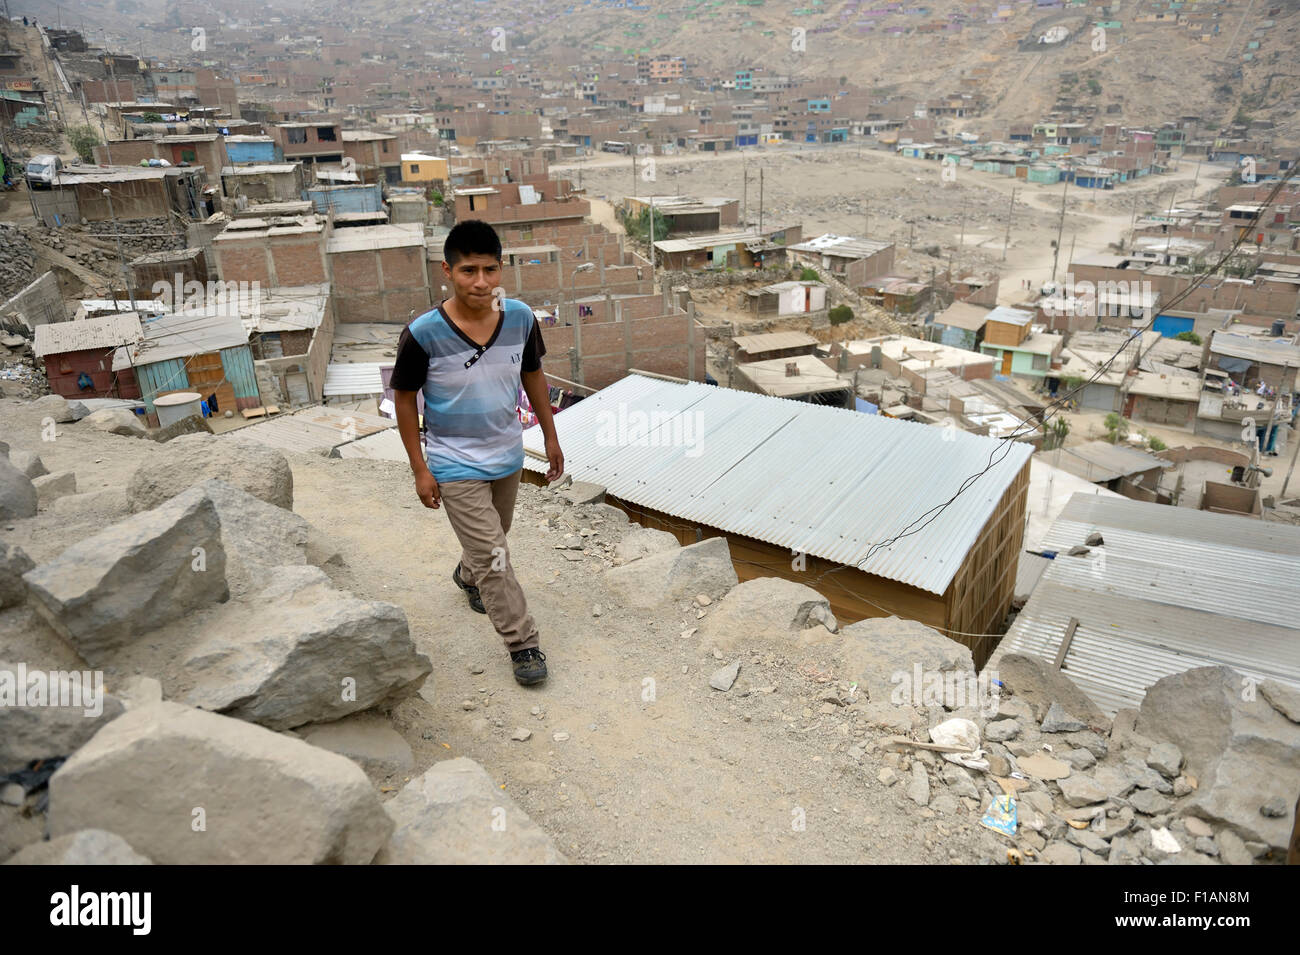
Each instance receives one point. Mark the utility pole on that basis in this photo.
(652, 242)
(633, 192)
(1010, 212)
(130, 294)
(1282, 494)
(961, 240)
(911, 231)
(744, 196)
(760, 200)
(1060, 230)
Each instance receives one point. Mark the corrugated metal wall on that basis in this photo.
(166, 375)
(237, 362)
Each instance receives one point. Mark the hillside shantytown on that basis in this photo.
(926, 379)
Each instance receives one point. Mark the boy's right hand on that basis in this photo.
(426, 486)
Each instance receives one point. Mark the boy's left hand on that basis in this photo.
(556, 458)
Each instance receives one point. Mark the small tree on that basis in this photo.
(1056, 433)
(152, 118)
(1156, 444)
(809, 275)
(83, 140)
(638, 226)
(1192, 337)
(1116, 428)
(840, 314)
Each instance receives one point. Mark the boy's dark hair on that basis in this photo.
(471, 237)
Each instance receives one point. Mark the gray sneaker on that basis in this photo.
(530, 666)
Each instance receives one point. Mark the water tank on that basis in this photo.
(174, 407)
(1279, 328)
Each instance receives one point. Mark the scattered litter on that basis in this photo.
(1001, 816)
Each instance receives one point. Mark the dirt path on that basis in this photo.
(694, 776)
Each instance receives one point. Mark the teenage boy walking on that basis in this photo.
(468, 356)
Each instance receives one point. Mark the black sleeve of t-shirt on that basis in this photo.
(411, 367)
(534, 349)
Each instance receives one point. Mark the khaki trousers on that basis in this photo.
(480, 513)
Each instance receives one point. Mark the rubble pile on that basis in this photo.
(140, 236)
(17, 260)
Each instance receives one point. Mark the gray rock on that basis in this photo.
(1060, 853)
(1285, 699)
(724, 677)
(1114, 781)
(583, 492)
(1145, 777)
(1207, 846)
(1275, 808)
(1090, 741)
(258, 537)
(30, 464)
(1082, 790)
(14, 562)
(77, 410)
(765, 609)
(1241, 749)
(300, 652)
(1079, 759)
(117, 421)
(367, 739)
(1197, 827)
(1166, 759)
(1087, 839)
(1059, 721)
(1034, 680)
(886, 654)
(254, 468)
(106, 590)
(85, 847)
(191, 424)
(609, 513)
(454, 814)
(651, 581)
(958, 779)
(918, 789)
(155, 774)
(1232, 849)
(51, 487)
(1149, 803)
(108, 503)
(54, 406)
(1126, 850)
(644, 541)
(18, 497)
(1000, 731)
(39, 730)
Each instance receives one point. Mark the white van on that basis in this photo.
(43, 171)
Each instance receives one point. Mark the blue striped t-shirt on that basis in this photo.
(471, 391)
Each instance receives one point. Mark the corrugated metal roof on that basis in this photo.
(826, 481)
(1009, 316)
(314, 429)
(353, 378)
(1170, 589)
(772, 341)
(1098, 461)
(1269, 351)
(184, 334)
(59, 338)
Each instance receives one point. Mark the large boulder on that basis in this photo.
(298, 652)
(258, 537)
(1243, 750)
(70, 708)
(190, 424)
(14, 562)
(51, 487)
(132, 577)
(186, 787)
(86, 847)
(29, 463)
(454, 814)
(1033, 680)
(766, 608)
(887, 655)
(18, 497)
(255, 468)
(642, 542)
(110, 502)
(117, 421)
(703, 568)
(54, 406)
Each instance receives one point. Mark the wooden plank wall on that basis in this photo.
(980, 593)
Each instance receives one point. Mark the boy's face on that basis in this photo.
(474, 277)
